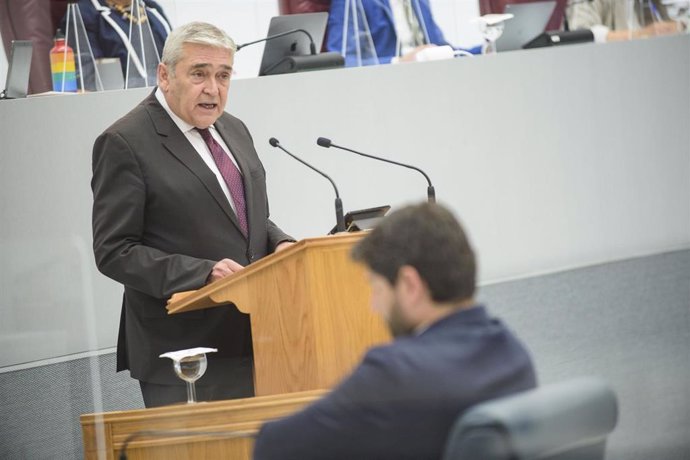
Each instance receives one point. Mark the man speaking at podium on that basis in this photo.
(448, 355)
(180, 201)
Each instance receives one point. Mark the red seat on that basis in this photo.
(58, 8)
(303, 6)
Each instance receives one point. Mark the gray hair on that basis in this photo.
(201, 33)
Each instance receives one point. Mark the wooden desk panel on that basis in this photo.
(206, 430)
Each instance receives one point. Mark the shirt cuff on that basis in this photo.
(600, 33)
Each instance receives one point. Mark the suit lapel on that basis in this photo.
(177, 144)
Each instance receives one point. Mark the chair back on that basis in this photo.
(303, 6)
(564, 421)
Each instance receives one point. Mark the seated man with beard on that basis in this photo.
(448, 354)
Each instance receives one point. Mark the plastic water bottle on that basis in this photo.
(62, 65)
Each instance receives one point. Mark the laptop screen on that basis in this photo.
(295, 44)
(529, 20)
(17, 84)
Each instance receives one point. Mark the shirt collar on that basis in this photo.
(474, 314)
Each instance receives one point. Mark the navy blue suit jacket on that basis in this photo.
(107, 29)
(402, 400)
(380, 19)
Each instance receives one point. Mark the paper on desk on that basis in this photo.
(179, 354)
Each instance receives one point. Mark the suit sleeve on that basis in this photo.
(276, 236)
(584, 15)
(331, 427)
(434, 32)
(336, 18)
(119, 213)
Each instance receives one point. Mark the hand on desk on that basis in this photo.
(227, 267)
(284, 245)
(411, 56)
(664, 28)
(657, 28)
(222, 269)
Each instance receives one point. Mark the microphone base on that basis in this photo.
(362, 219)
(292, 64)
(558, 38)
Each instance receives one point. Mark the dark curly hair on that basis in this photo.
(429, 238)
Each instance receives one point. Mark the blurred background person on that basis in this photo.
(107, 24)
(382, 31)
(613, 20)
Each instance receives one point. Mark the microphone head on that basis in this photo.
(323, 142)
(273, 141)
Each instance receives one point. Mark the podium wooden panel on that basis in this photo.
(310, 315)
(224, 429)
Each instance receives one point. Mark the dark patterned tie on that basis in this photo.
(230, 174)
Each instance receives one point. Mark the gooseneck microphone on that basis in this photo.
(430, 192)
(287, 57)
(312, 45)
(339, 219)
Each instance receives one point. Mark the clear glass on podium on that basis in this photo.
(189, 365)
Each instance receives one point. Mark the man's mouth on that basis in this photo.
(209, 106)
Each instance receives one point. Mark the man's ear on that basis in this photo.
(411, 284)
(163, 77)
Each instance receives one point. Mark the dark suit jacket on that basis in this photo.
(401, 401)
(160, 223)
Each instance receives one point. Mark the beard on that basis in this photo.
(397, 323)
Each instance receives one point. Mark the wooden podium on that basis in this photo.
(310, 314)
(205, 430)
(311, 324)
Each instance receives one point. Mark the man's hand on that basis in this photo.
(664, 28)
(654, 29)
(284, 245)
(411, 56)
(222, 269)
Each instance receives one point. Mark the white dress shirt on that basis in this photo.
(200, 146)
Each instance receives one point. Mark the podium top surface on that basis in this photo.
(203, 298)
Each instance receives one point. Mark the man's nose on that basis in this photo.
(211, 86)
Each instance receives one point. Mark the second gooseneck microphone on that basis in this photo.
(312, 45)
(339, 218)
(430, 192)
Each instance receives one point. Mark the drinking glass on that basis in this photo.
(491, 27)
(189, 365)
